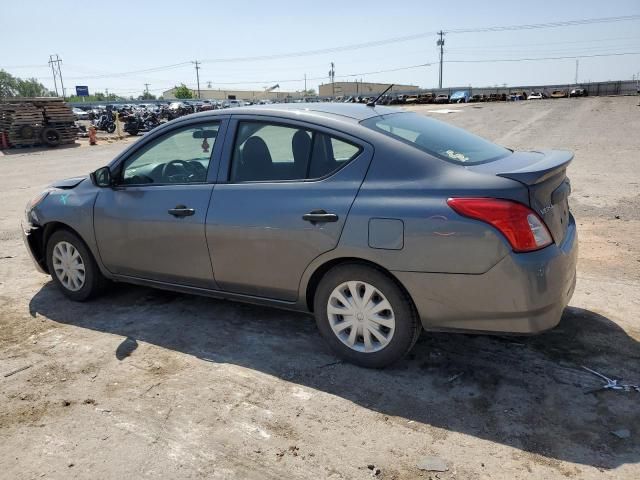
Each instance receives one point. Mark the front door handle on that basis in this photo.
(181, 211)
(319, 216)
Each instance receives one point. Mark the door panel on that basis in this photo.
(137, 236)
(151, 224)
(259, 242)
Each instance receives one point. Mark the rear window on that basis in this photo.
(437, 138)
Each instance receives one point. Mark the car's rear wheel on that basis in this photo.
(72, 267)
(365, 316)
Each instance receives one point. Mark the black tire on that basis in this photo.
(407, 325)
(50, 137)
(111, 127)
(94, 281)
(133, 131)
(26, 132)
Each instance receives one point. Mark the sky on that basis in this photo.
(106, 45)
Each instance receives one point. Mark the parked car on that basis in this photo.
(206, 105)
(411, 99)
(304, 216)
(461, 96)
(426, 98)
(578, 92)
(80, 114)
(558, 94)
(515, 96)
(535, 96)
(441, 98)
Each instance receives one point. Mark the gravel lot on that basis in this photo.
(150, 384)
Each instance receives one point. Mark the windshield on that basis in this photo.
(437, 138)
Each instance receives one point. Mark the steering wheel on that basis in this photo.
(176, 171)
(199, 172)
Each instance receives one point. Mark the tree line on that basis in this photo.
(11, 86)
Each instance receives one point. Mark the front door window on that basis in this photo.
(181, 156)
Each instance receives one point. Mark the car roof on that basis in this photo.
(354, 111)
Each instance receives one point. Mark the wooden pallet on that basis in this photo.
(16, 119)
(37, 113)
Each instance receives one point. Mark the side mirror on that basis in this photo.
(102, 177)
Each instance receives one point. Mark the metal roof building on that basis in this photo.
(220, 94)
(361, 88)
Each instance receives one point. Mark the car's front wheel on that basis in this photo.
(72, 267)
(365, 316)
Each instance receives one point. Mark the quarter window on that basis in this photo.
(181, 156)
(272, 152)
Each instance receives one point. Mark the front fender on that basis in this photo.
(72, 208)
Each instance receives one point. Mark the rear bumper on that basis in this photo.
(522, 294)
(31, 240)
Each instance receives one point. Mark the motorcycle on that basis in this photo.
(136, 122)
(106, 122)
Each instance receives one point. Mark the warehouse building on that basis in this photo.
(361, 88)
(253, 95)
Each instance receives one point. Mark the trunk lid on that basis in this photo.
(544, 173)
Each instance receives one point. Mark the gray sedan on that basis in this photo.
(378, 221)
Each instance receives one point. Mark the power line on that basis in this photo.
(14, 67)
(387, 41)
(542, 58)
(417, 36)
(538, 44)
(294, 80)
(332, 76)
(542, 53)
(133, 72)
(250, 82)
(566, 23)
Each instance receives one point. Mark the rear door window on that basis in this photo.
(275, 152)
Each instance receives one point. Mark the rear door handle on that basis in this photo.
(181, 211)
(319, 216)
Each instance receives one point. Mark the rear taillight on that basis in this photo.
(522, 227)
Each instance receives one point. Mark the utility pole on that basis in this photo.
(146, 88)
(332, 76)
(305, 83)
(53, 71)
(577, 63)
(57, 62)
(197, 64)
(64, 93)
(440, 43)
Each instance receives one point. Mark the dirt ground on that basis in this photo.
(150, 384)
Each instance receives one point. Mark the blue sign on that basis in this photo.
(82, 91)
